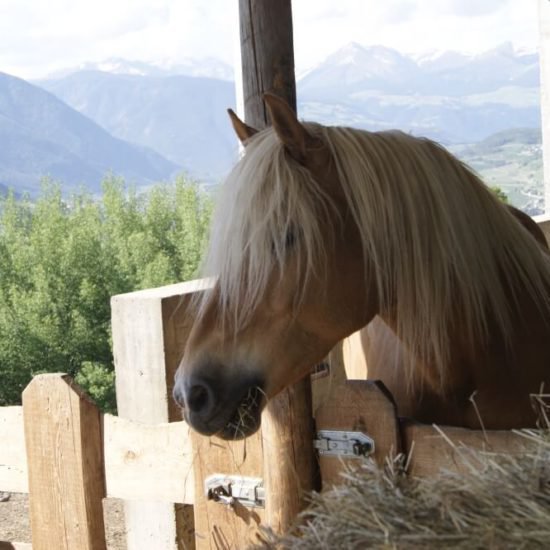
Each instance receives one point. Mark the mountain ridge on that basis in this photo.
(42, 136)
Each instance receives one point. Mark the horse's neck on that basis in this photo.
(491, 377)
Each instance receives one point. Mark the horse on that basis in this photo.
(320, 230)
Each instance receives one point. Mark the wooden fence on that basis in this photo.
(59, 448)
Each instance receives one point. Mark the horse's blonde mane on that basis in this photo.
(439, 242)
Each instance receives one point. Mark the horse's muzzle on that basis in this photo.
(214, 405)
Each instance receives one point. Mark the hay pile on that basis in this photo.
(502, 504)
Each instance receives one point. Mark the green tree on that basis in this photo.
(62, 260)
(500, 193)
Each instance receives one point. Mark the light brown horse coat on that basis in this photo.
(321, 229)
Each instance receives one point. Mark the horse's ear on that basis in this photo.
(244, 131)
(287, 126)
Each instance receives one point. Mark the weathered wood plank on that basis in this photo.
(155, 454)
(64, 456)
(267, 58)
(544, 63)
(218, 526)
(288, 458)
(361, 406)
(148, 462)
(149, 331)
(432, 449)
(323, 382)
(543, 221)
(267, 55)
(354, 357)
(13, 459)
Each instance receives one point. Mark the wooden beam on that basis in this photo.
(217, 525)
(13, 458)
(543, 222)
(544, 60)
(154, 454)
(267, 56)
(148, 462)
(64, 456)
(433, 449)
(361, 406)
(150, 328)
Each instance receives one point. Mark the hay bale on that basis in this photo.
(502, 502)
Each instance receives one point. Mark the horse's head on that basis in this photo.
(290, 270)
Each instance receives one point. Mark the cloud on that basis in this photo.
(37, 37)
(414, 26)
(470, 8)
(42, 36)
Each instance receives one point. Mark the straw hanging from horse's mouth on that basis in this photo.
(246, 418)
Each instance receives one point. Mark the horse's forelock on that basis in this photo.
(266, 197)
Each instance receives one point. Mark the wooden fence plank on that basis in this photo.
(149, 331)
(64, 456)
(288, 463)
(544, 63)
(148, 462)
(218, 526)
(361, 406)
(155, 454)
(432, 449)
(13, 459)
(543, 221)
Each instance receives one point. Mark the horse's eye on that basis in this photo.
(289, 242)
(290, 239)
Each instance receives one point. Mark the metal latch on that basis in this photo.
(248, 491)
(345, 444)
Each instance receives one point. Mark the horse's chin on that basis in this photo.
(234, 431)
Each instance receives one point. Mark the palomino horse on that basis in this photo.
(319, 230)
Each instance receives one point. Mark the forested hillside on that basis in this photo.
(62, 260)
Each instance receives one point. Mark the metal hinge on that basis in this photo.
(344, 444)
(248, 491)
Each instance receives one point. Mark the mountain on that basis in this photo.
(179, 111)
(41, 136)
(182, 117)
(355, 68)
(208, 67)
(511, 160)
(451, 97)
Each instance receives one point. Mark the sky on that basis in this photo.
(39, 37)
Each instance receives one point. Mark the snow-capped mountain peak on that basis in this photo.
(207, 67)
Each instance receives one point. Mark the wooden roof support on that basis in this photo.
(267, 56)
(544, 49)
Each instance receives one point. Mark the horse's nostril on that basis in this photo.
(177, 393)
(197, 398)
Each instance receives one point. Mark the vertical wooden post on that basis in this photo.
(267, 56)
(287, 425)
(65, 461)
(149, 332)
(544, 59)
